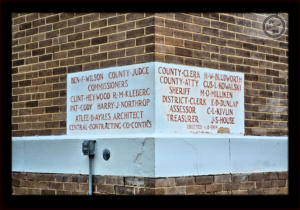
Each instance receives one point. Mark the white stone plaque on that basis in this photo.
(112, 100)
(155, 98)
(198, 100)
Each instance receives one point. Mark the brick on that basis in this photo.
(271, 175)
(218, 57)
(106, 64)
(134, 33)
(98, 179)
(126, 61)
(134, 181)
(222, 178)
(231, 186)
(145, 58)
(183, 17)
(108, 30)
(283, 175)
(183, 35)
(210, 48)
(122, 190)
(195, 189)
(116, 20)
(24, 83)
(213, 188)
(107, 189)
(91, 17)
(24, 26)
(83, 43)
(164, 49)
(165, 182)
(99, 40)
(18, 62)
(201, 21)
(82, 27)
(137, 50)
(150, 30)
(178, 190)
(117, 37)
(249, 46)
(141, 41)
(32, 104)
(193, 62)
(183, 181)
(82, 59)
(204, 179)
(116, 54)
(38, 52)
(92, 33)
(263, 184)
(52, 109)
(134, 16)
(210, 31)
(163, 31)
(256, 177)
(226, 18)
(91, 50)
(219, 25)
(239, 192)
(71, 186)
(192, 45)
(144, 191)
(214, 16)
(174, 59)
(74, 37)
(173, 24)
(145, 22)
(99, 56)
(126, 26)
(174, 42)
(116, 180)
(183, 52)
(201, 54)
(245, 69)
(75, 21)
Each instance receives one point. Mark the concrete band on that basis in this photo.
(156, 156)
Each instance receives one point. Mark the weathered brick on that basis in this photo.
(107, 189)
(204, 179)
(183, 181)
(134, 181)
(213, 188)
(126, 61)
(134, 16)
(165, 182)
(195, 189)
(99, 40)
(117, 180)
(134, 33)
(183, 52)
(122, 190)
(222, 178)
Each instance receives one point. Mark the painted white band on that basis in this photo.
(159, 156)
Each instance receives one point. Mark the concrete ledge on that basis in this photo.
(159, 156)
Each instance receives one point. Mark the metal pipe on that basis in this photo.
(90, 175)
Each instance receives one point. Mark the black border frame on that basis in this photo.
(290, 201)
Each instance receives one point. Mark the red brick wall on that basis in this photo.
(225, 184)
(47, 46)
